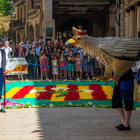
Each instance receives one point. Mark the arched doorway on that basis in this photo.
(31, 33)
(64, 31)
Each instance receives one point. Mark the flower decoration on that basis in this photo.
(48, 94)
(73, 93)
(98, 93)
(21, 93)
(72, 87)
(51, 105)
(11, 103)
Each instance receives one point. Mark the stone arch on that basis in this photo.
(31, 33)
(95, 20)
(67, 25)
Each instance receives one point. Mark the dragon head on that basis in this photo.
(78, 39)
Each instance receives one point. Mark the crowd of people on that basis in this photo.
(57, 60)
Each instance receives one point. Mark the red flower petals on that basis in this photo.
(46, 95)
(98, 93)
(73, 94)
(48, 88)
(72, 87)
(21, 93)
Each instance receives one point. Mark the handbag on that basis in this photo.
(90, 59)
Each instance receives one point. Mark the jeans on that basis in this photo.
(30, 69)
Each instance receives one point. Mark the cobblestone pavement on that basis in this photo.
(66, 124)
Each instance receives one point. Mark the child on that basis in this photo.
(43, 61)
(55, 69)
(78, 68)
(62, 61)
(71, 61)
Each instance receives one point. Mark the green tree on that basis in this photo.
(6, 7)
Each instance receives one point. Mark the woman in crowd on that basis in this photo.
(21, 52)
(44, 61)
(78, 68)
(21, 44)
(55, 69)
(88, 68)
(62, 46)
(62, 62)
(54, 52)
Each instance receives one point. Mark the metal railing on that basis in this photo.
(20, 22)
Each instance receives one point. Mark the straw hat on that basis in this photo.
(21, 44)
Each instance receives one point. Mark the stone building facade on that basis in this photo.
(130, 18)
(99, 18)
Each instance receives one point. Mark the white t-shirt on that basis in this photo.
(8, 50)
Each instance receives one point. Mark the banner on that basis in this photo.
(18, 66)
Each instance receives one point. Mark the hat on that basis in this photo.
(21, 44)
(77, 32)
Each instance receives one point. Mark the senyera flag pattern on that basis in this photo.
(73, 92)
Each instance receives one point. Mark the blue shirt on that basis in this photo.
(138, 75)
(38, 50)
(26, 46)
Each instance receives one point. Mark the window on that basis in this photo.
(32, 4)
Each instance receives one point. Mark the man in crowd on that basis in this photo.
(38, 49)
(7, 49)
(56, 44)
(41, 39)
(30, 58)
(25, 42)
(4, 68)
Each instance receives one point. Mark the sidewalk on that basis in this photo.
(69, 123)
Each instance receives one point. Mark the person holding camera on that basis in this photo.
(30, 58)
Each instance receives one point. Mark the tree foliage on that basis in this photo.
(6, 7)
(4, 24)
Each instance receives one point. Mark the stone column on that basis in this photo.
(35, 31)
(127, 23)
(132, 22)
(49, 22)
(138, 17)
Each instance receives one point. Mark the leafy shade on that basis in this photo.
(6, 7)
(4, 25)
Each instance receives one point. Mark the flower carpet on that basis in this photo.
(58, 93)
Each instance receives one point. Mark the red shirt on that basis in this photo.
(23, 50)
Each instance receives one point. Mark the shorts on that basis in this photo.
(78, 68)
(72, 68)
(62, 68)
(117, 100)
(98, 65)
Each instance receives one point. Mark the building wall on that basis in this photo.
(130, 18)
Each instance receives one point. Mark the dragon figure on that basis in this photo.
(118, 54)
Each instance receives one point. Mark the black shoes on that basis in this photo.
(119, 125)
(2, 111)
(123, 128)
